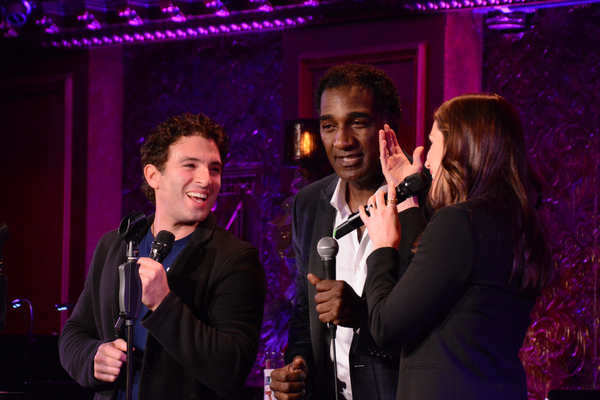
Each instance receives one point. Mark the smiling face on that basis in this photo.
(350, 133)
(189, 184)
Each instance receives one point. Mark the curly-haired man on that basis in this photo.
(198, 331)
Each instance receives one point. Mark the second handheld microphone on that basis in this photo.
(161, 246)
(328, 249)
(412, 185)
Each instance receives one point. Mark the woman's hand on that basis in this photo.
(382, 224)
(394, 163)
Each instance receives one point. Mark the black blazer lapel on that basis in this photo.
(324, 220)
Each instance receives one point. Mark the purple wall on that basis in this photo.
(551, 73)
(249, 83)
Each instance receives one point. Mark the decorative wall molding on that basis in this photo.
(30, 174)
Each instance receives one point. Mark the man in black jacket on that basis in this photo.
(197, 336)
(354, 103)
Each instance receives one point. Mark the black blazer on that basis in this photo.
(202, 339)
(460, 321)
(313, 219)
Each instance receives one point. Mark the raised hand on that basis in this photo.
(394, 163)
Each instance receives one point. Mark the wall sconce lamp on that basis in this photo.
(302, 139)
(303, 146)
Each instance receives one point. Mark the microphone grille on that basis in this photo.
(327, 247)
(165, 237)
(417, 182)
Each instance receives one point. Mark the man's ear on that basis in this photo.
(152, 175)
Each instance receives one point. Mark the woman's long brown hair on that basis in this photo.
(485, 158)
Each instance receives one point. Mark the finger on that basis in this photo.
(289, 395)
(326, 317)
(393, 139)
(105, 377)
(102, 369)
(287, 374)
(120, 344)
(300, 363)
(372, 201)
(390, 138)
(108, 351)
(392, 195)
(312, 278)
(287, 390)
(417, 160)
(383, 150)
(326, 289)
(363, 214)
(380, 199)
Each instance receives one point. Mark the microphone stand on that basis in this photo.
(4, 234)
(130, 289)
(332, 329)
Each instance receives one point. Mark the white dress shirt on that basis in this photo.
(351, 264)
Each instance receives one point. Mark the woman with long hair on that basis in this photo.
(462, 308)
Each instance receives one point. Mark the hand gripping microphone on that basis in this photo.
(162, 246)
(130, 285)
(328, 249)
(411, 186)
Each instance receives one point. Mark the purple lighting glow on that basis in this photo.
(109, 33)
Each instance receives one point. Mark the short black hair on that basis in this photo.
(385, 93)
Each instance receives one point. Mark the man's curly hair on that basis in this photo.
(385, 93)
(155, 149)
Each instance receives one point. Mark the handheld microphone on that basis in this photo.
(162, 246)
(130, 285)
(328, 249)
(411, 186)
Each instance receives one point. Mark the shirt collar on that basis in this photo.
(338, 200)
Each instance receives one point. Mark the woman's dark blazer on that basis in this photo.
(460, 321)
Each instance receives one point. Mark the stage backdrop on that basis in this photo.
(551, 73)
